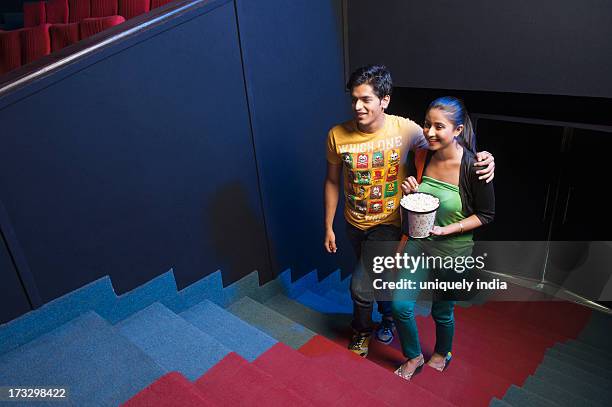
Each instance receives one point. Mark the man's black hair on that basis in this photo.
(377, 76)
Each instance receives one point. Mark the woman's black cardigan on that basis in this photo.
(477, 196)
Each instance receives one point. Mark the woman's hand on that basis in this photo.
(486, 160)
(410, 185)
(441, 231)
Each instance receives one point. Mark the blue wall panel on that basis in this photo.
(292, 53)
(137, 162)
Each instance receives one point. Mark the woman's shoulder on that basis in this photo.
(468, 160)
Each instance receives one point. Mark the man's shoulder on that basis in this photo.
(402, 122)
(343, 128)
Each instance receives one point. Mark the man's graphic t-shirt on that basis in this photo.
(374, 167)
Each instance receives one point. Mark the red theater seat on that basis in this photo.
(57, 11)
(91, 26)
(10, 51)
(63, 35)
(35, 43)
(104, 8)
(78, 10)
(133, 8)
(159, 3)
(34, 13)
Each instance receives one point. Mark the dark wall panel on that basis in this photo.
(13, 300)
(542, 46)
(137, 162)
(294, 66)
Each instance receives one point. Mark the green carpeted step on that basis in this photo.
(329, 325)
(602, 371)
(519, 397)
(271, 322)
(567, 381)
(597, 331)
(495, 402)
(557, 394)
(588, 353)
(585, 347)
(575, 370)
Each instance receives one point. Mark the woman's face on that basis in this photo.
(438, 130)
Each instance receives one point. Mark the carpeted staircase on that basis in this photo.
(284, 344)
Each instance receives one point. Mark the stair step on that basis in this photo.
(518, 397)
(228, 329)
(171, 390)
(597, 331)
(569, 382)
(585, 347)
(322, 304)
(557, 394)
(495, 402)
(380, 382)
(172, 342)
(576, 371)
(87, 355)
(328, 325)
(234, 381)
(271, 322)
(318, 386)
(602, 371)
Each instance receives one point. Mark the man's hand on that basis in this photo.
(330, 241)
(486, 160)
(410, 185)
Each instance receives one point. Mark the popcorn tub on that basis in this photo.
(418, 214)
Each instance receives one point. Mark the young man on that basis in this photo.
(372, 148)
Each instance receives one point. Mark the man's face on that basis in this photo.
(367, 107)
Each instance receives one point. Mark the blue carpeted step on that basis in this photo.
(329, 325)
(271, 322)
(556, 394)
(89, 356)
(602, 371)
(519, 397)
(331, 282)
(293, 289)
(567, 381)
(323, 304)
(228, 329)
(575, 370)
(172, 342)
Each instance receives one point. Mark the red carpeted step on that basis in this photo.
(381, 383)
(558, 316)
(535, 333)
(507, 363)
(321, 387)
(234, 381)
(170, 390)
(495, 339)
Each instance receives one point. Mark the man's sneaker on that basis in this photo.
(359, 344)
(384, 332)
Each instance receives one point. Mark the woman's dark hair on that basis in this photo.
(458, 115)
(377, 76)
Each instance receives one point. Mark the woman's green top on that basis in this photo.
(450, 211)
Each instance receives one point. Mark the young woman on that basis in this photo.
(465, 204)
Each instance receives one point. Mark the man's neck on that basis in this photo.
(373, 127)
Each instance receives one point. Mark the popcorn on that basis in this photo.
(420, 202)
(418, 214)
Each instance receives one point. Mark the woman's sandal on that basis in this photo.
(441, 368)
(407, 374)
